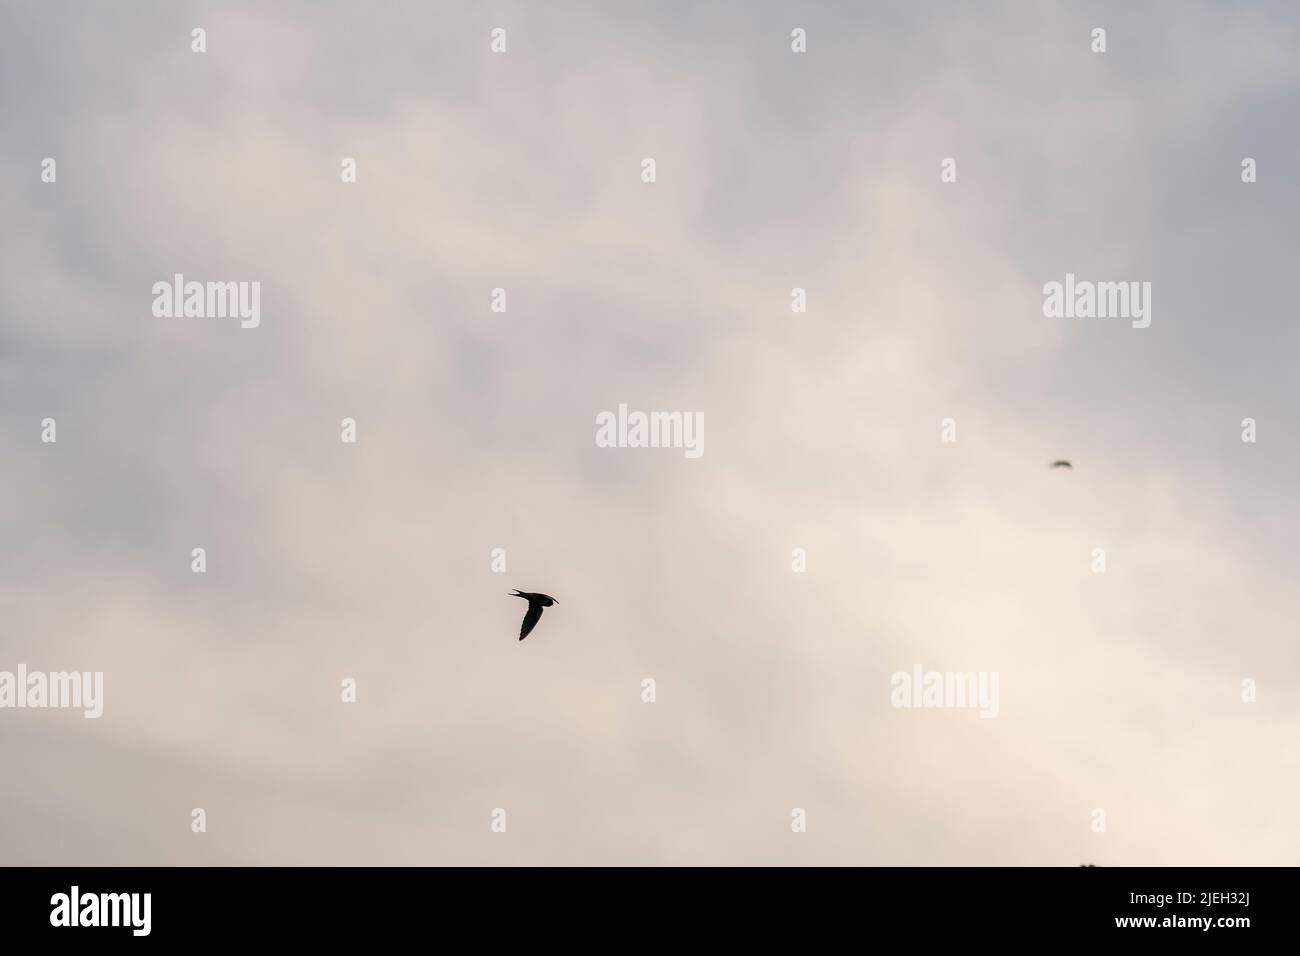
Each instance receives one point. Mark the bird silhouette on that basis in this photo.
(1061, 463)
(535, 604)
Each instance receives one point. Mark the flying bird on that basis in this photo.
(1061, 463)
(535, 604)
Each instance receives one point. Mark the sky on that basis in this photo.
(1120, 691)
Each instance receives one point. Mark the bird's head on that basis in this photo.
(547, 600)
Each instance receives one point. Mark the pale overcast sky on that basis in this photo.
(1119, 691)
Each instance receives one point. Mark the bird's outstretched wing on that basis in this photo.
(530, 619)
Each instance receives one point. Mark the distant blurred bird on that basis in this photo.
(535, 604)
(1061, 463)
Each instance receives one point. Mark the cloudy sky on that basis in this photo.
(1119, 691)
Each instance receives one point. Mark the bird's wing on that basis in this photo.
(530, 619)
